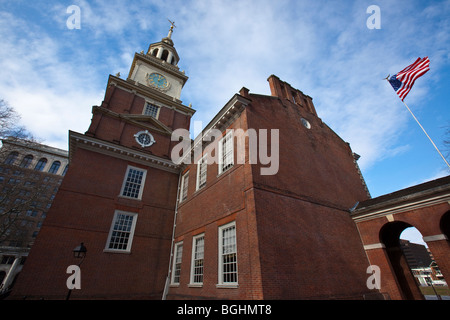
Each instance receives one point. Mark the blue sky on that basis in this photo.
(53, 75)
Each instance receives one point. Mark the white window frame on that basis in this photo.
(184, 188)
(144, 112)
(113, 229)
(203, 161)
(142, 184)
(197, 256)
(227, 141)
(221, 271)
(177, 259)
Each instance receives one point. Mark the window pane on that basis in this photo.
(177, 263)
(227, 152)
(229, 254)
(199, 244)
(26, 161)
(133, 183)
(201, 172)
(41, 164)
(55, 167)
(184, 187)
(121, 231)
(151, 110)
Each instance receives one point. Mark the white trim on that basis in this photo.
(223, 119)
(374, 246)
(77, 140)
(220, 282)
(131, 232)
(142, 184)
(436, 237)
(359, 216)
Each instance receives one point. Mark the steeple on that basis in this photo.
(165, 50)
(158, 68)
(171, 29)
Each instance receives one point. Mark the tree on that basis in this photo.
(17, 197)
(9, 126)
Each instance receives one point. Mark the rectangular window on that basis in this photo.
(133, 183)
(151, 110)
(198, 249)
(121, 232)
(184, 186)
(226, 152)
(176, 269)
(228, 273)
(201, 171)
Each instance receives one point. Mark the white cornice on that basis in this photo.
(369, 214)
(78, 140)
(221, 121)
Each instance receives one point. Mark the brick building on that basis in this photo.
(30, 175)
(256, 207)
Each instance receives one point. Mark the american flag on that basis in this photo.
(403, 81)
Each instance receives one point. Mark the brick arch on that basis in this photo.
(381, 220)
(390, 237)
(445, 224)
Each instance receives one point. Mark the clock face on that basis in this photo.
(158, 80)
(144, 138)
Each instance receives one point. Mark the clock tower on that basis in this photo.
(119, 194)
(158, 69)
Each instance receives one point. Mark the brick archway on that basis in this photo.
(445, 224)
(381, 220)
(390, 237)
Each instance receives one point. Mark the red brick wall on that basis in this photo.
(83, 211)
(295, 238)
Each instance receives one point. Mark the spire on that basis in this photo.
(164, 49)
(171, 29)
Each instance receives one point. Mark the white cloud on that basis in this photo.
(48, 93)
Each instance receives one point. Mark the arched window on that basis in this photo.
(55, 167)
(164, 55)
(155, 52)
(41, 164)
(65, 170)
(26, 161)
(173, 60)
(11, 157)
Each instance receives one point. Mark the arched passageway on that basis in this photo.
(390, 237)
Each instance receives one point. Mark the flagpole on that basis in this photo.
(448, 165)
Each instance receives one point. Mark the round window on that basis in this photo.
(144, 138)
(306, 123)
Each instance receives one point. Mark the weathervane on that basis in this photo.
(171, 28)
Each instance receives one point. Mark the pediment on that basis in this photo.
(147, 122)
(140, 120)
